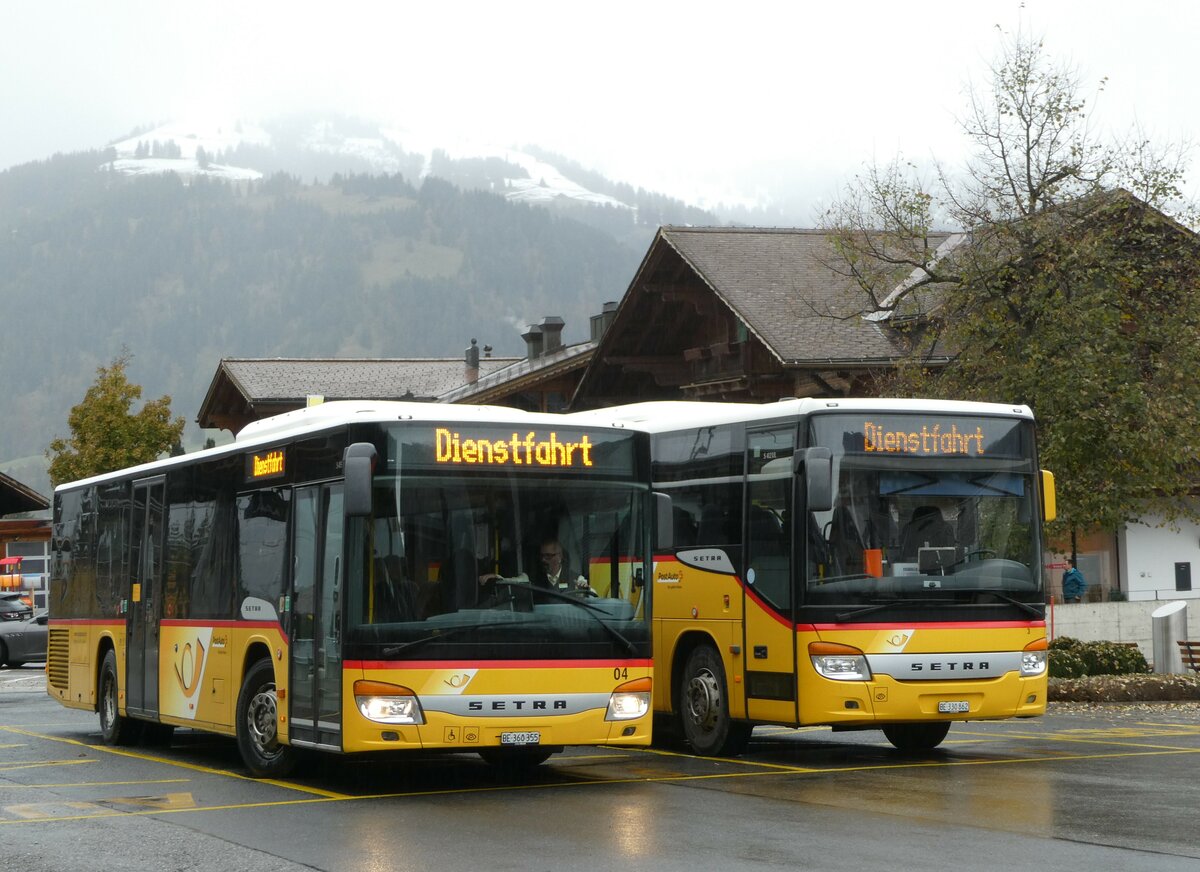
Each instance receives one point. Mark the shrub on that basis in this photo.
(1071, 658)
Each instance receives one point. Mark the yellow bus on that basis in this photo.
(864, 564)
(358, 577)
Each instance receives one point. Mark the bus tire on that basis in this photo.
(916, 738)
(704, 707)
(114, 729)
(258, 725)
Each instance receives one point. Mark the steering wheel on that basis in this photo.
(981, 553)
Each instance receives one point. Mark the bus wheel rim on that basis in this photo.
(109, 703)
(704, 699)
(261, 720)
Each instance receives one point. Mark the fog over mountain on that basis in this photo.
(325, 236)
(393, 179)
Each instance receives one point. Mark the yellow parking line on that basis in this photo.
(105, 783)
(37, 764)
(191, 766)
(763, 770)
(1086, 740)
(156, 811)
(737, 761)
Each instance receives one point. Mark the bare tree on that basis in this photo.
(1047, 271)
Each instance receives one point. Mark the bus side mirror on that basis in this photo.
(359, 463)
(664, 522)
(1049, 496)
(817, 466)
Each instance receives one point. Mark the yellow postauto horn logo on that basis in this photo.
(530, 449)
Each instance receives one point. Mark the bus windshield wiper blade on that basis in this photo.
(576, 600)
(435, 636)
(1032, 609)
(880, 605)
(876, 606)
(829, 579)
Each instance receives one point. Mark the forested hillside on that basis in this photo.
(181, 275)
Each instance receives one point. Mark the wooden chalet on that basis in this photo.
(737, 314)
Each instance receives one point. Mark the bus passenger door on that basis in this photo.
(145, 606)
(316, 652)
(770, 648)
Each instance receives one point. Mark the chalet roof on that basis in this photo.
(521, 374)
(353, 379)
(246, 389)
(16, 497)
(778, 283)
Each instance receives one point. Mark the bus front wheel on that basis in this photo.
(258, 725)
(114, 729)
(704, 707)
(916, 738)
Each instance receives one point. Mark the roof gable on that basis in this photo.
(778, 283)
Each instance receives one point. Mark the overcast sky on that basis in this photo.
(655, 93)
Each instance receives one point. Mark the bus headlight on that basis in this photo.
(387, 703)
(629, 701)
(1033, 658)
(840, 662)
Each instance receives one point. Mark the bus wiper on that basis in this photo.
(829, 579)
(435, 636)
(1033, 610)
(575, 600)
(877, 605)
(880, 605)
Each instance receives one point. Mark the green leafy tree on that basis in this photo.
(1062, 284)
(105, 435)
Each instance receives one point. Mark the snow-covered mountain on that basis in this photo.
(197, 148)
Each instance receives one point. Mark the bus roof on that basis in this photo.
(666, 415)
(323, 416)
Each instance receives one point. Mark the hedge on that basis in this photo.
(1071, 658)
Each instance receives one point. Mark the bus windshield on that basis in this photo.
(926, 508)
(501, 566)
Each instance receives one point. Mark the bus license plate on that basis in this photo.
(526, 738)
(954, 707)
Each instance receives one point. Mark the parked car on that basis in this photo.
(23, 640)
(14, 610)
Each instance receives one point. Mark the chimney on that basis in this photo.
(601, 322)
(533, 342)
(472, 359)
(552, 327)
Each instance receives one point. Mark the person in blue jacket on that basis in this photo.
(1074, 585)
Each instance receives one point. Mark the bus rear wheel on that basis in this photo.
(114, 729)
(916, 738)
(704, 707)
(258, 725)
